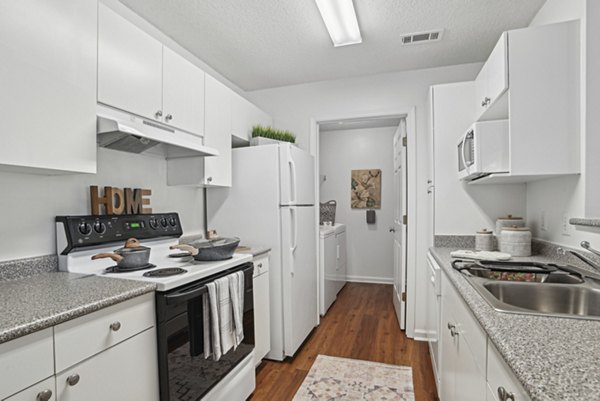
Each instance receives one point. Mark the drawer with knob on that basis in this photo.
(24, 361)
(88, 335)
(261, 264)
(502, 384)
(42, 391)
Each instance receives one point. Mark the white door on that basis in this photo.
(129, 66)
(297, 176)
(329, 272)
(399, 228)
(299, 275)
(183, 93)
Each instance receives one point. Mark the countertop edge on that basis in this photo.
(73, 313)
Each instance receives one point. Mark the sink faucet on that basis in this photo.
(584, 259)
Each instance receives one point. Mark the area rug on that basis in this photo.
(341, 379)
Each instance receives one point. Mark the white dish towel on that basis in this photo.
(223, 325)
(236, 290)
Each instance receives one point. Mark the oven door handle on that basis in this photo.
(185, 296)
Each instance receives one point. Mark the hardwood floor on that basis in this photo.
(361, 324)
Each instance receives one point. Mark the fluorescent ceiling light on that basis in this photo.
(340, 19)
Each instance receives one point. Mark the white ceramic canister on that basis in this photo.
(516, 241)
(508, 221)
(484, 240)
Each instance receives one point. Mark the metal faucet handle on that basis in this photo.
(586, 245)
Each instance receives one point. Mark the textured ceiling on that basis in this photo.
(267, 43)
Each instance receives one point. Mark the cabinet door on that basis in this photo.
(125, 372)
(37, 392)
(448, 356)
(262, 321)
(217, 133)
(500, 376)
(183, 93)
(469, 379)
(48, 85)
(481, 90)
(497, 70)
(129, 66)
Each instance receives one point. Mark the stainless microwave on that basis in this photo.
(483, 150)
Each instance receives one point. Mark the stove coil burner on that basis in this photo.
(117, 269)
(165, 272)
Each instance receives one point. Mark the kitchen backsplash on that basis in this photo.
(22, 268)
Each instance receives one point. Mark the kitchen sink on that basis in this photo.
(549, 290)
(553, 299)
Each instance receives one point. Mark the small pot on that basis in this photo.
(213, 250)
(131, 256)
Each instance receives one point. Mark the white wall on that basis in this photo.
(30, 202)
(562, 198)
(296, 107)
(370, 246)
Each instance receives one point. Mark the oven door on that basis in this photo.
(185, 374)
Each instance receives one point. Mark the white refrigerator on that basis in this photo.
(272, 203)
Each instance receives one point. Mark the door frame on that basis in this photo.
(409, 113)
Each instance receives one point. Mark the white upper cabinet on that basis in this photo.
(492, 81)
(209, 171)
(137, 74)
(532, 78)
(244, 116)
(183, 93)
(129, 66)
(217, 170)
(48, 86)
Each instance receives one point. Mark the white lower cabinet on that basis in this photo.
(471, 367)
(25, 361)
(42, 391)
(110, 354)
(262, 311)
(125, 372)
(502, 384)
(463, 379)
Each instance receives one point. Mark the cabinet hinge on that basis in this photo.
(404, 141)
(405, 219)
(403, 297)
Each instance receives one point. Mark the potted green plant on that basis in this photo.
(267, 136)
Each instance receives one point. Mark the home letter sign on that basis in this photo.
(120, 201)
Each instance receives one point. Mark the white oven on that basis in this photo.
(483, 150)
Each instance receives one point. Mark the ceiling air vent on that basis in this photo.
(422, 37)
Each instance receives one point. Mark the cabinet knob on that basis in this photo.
(169, 117)
(116, 326)
(73, 379)
(486, 102)
(505, 395)
(44, 395)
(259, 265)
(209, 179)
(158, 114)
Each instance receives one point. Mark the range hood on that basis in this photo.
(126, 132)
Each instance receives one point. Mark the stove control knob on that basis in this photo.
(84, 228)
(100, 227)
(173, 221)
(153, 223)
(163, 222)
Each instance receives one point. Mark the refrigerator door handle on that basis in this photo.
(292, 180)
(294, 239)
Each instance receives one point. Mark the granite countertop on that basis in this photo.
(44, 300)
(254, 250)
(553, 358)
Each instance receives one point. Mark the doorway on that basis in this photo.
(375, 144)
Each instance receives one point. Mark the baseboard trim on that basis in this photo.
(370, 280)
(420, 335)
